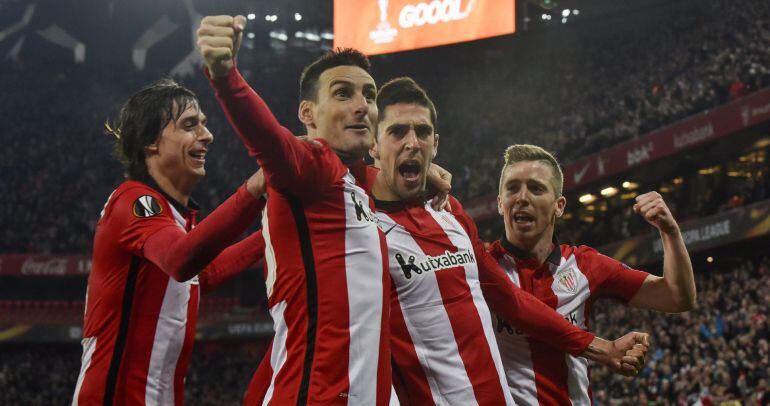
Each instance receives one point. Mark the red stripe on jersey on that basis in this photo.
(550, 366)
(335, 373)
(409, 377)
(458, 303)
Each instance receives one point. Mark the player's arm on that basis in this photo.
(285, 159)
(183, 255)
(675, 291)
(232, 261)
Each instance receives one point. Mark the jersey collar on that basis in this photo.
(192, 205)
(554, 257)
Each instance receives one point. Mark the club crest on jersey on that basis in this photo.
(146, 206)
(567, 280)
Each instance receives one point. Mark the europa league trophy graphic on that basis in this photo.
(384, 32)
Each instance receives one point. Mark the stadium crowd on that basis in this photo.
(716, 353)
(584, 96)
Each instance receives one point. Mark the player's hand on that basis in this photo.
(655, 211)
(440, 181)
(631, 349)
(219, 38)
(256, 184)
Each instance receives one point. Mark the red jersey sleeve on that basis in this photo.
(289, 163)
(137, 214)
(232, 261)
(612, 277)
(148, 233)
(517, 306)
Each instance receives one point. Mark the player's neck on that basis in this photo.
(382, 191)
(179, 189)
(539, 249)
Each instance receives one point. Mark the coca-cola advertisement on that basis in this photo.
(44, 265)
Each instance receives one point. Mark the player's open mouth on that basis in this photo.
(198, 155)
(523, 219)
(410, 170)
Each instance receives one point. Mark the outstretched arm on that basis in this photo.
(183, 255)
(232, 261)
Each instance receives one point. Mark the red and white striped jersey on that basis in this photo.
(442, 338)
(570, 280)
(139, 322)
(326, 279)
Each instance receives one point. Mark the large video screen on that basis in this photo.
(385, 26)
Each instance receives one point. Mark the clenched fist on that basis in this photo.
(219, 38)
(652, 207)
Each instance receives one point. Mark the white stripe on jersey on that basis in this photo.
(269, 255)
(457, 235)
(428, 323)
(89, 346)
(169, 338)
(577, 380)
(278, 354)
(365, 313)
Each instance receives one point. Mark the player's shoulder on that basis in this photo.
(496, 250)
(137, 198)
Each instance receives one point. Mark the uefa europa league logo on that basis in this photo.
(384, 32)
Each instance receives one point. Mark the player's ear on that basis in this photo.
(374, 151)
(151, 149)
(435, 145)
(305, 113)
(561, 204)
(500, 205)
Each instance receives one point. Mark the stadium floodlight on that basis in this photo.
(299, 34)
(327, 36)
(609, 191)
(575, 11)
(630, 185)
(587, 198)
(251, 16)
(566, 12)
(312, 37)
(564, 20)
(250, 35)
(297, 17)
(710, 259)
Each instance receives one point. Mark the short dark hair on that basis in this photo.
(308, 81)
(405, 90)
(141, 120)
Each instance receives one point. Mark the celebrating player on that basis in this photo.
(143, 292)
(443, 280)
(569, 278)
(327, 280)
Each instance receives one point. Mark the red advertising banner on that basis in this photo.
(44, 265)
(682, 135)
(384, 26)
(690, 132)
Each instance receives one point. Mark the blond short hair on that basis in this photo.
(527, 152)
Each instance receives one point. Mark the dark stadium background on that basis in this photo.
(632, 95)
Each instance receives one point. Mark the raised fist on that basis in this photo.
(219, 38)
